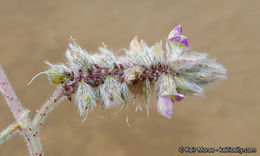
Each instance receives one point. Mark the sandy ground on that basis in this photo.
(34, 31)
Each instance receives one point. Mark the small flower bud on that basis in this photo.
(57, 73)
(56, 77)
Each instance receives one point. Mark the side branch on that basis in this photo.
(8, 131)
(10, 96)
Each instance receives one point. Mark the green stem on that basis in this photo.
(8, 131)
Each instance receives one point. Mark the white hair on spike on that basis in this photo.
(110, 92)
(85, 98)
(77, 57)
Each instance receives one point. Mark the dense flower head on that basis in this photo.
(106, 79)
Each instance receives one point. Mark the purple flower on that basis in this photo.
(165, 104)
(178, 97)
(176, 36)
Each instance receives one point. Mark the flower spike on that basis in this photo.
(105, 79)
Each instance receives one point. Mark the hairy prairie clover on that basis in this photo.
(103, 78)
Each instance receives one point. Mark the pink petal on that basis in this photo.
(176, 35)
(177, 31)
(178, 97)
(164, 106)
(185, 42)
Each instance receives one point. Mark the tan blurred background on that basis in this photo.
(34, 31)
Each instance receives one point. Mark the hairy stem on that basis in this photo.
(33, 142)
(47, 107)
(10, 96)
